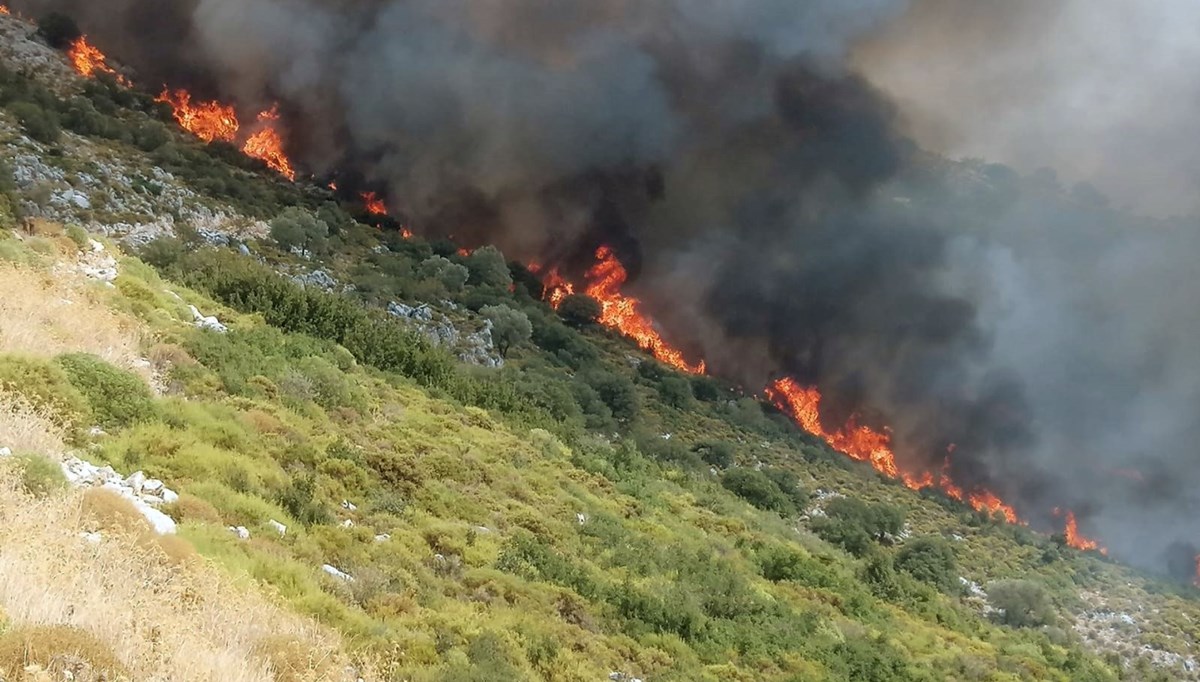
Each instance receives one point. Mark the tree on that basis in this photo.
(853, 524)
(930, 560)
(41, 124)
(676, 392)
(452, 275)
(717, 453)
(616, 391)
(1022, 603)
(488, 267)
(509, 326)
(579, 310)
(756, 488)
(297, 228)
(58, 30)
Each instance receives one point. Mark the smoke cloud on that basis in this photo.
(747, 168)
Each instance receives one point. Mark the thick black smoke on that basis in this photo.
(777, 220)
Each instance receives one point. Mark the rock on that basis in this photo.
(382, 537)
(482, 530)
(337, 573)
(240, 531)
(207, 322)
(163, 524)
(5, 452)
(581, 518)
(317, 279)
(348, 523)
(96, 431)
(279, 527)
(243, 249)
(169, 496)
(135, 482)
(91, 537)
(349, 506)
(152, 486)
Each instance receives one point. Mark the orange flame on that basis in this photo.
(1074, 537)
(865, 444)
(406, 233)
(87, 59)
(4, 10)
(621, 312)
(206, 120)
(373, 203)
(554, 287)
(267, 144)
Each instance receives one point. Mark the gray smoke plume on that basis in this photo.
(775, 217)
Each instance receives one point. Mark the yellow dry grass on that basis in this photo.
(45, 315)
(160, 619)
(25, 429)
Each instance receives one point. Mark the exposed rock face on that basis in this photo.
(474, 347)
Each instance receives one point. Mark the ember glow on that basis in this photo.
(4, 10)
(88, 60)
(267, 144)
(208, 121)
(373, 203)
(865, 444)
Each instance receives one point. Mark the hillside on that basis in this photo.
(394, 461)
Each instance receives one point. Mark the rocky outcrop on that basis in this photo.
(474, 347)
(146, 494)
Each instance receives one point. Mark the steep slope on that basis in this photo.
(327, 399)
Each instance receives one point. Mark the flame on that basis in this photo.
(554, 287)
(267, 144)
(621, 312)
(4, 10)
(1074, 537)
(373, 203)
(88, 60)
(865, 444)
(406, 233)
(206, 120)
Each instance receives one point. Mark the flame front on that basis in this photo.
(208, 121)
(1074, 537)
(267, 144)
(88, 60)
(865, 444)
(373, 203)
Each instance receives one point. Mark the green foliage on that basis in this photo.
(296, 228)
(451, 276)
(579, 310)
(930, 560)
(39, 123)
(854, 524)
(616, 391)
(509, 327)
(717, 453)
(116, 397)
(40, 475)
(46, 387)
(488, 268)
(1022, 603)
(758, 489)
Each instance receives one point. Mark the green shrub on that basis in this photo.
(717, 453)
(579, 310)
(40, 475)
(488, 268)
(47, 387)
(758, 489)
(930, 560)
(116, 397)
(1021, 603)
(509, 326)
(616, 391)
(39, 123)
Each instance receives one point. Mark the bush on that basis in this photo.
(509, 327)
(62, 651)
(40, 475)
(1022, 603)
(488, 268)
(616, 391)
(47, 387)
(717, 453)
(853, 524)
(450, 275)
(296, 228)
(58, 30)
(579, 310)
(117, 398)
(676, 392)
(758, 489)
(930, 560)
(39, 123)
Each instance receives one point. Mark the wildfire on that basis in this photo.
(206, 120)
(1073, 536)
(373, 203)
(87, 59)
(4, 10)
(555, 288)
(865, 444)
(267, 144)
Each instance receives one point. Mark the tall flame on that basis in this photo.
(373, 203)
(865, 444)
(1074, 537)
(87, 59)
(267, 144)
(208, 121)
(621, 312)
(4, 10)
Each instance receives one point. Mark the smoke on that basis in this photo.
(775, 215)
(1103, 91)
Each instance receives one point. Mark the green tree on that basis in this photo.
(296, 228)
(579, 310)
(452, 276)
(509, 326)
(1022, 603)
(717, 453)
(616, 391)
(930, 560)
(488, 267)
(41, 124)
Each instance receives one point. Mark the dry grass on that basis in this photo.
(26, 429)
(159, 618)
(46, 315)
